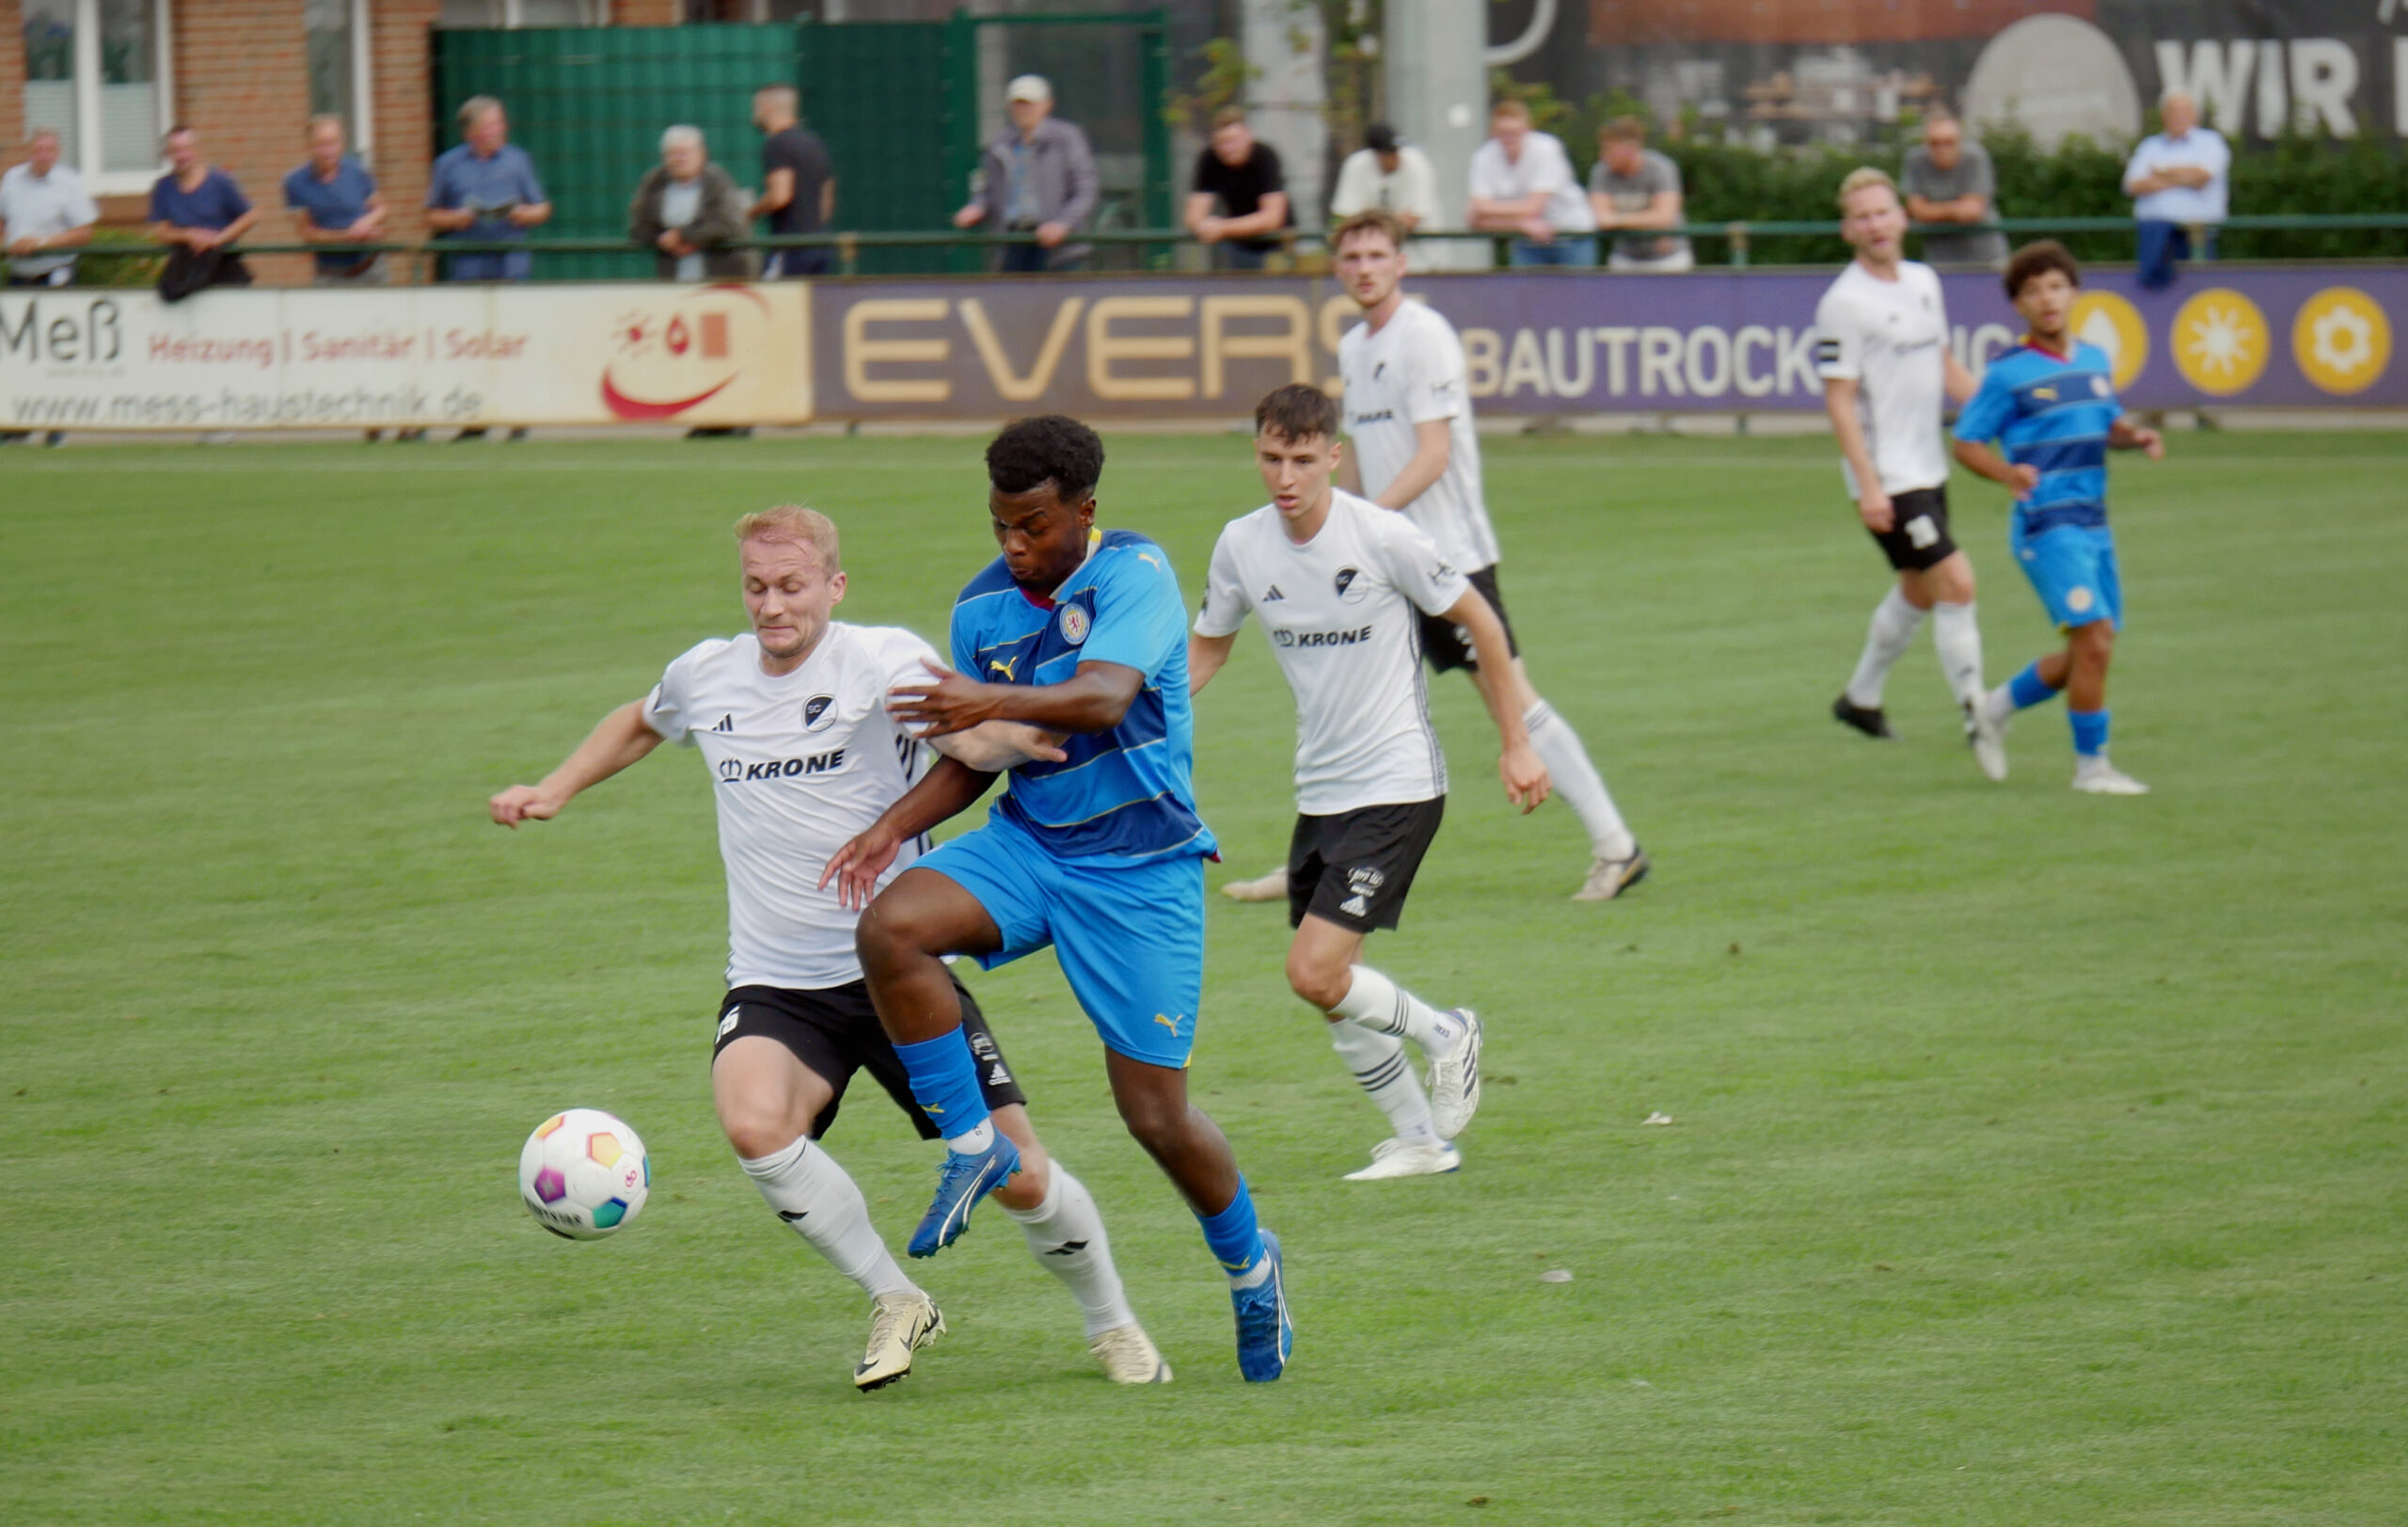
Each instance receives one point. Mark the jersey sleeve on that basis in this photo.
(1839, 341)
(1224, 599)
(669, 710)
(903, 657)
(1139, 615)
(1434, 387)
(1414, 567)
(1984, 419)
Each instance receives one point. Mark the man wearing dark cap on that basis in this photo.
(1389, 176)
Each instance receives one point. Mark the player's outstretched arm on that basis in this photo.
(622, 739)
(943, 792)
(1205, 656)
(999, 745)
(1526, 779)
(1982, 461)
(2123, 435)
(1091, 700)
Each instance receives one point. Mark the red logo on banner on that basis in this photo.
(679, 358)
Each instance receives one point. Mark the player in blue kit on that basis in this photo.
(1083, 633)
(2052, 402)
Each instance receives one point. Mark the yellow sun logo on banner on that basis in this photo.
(2341, 339)
(2107, 321)
(2221, 341)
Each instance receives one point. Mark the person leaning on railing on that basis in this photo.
(688, 211)
(1521, 183)
(1947, 180)
(1636, 195)
(197, 209)
(2179, 180)
(334, 202)
(1037, 177)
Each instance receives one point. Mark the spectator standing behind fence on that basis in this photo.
(1632, 189)
(2179, 182)
(1239, 174)
(798, 183)
(1037, 177)
(1948, 180)
(1521, 183)
(1385, 176)
(485, 190)
(46, 213)
(334, 201)
(687, 210)
(199, 210)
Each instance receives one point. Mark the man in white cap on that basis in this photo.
(1037, 177)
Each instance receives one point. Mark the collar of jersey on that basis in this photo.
(1047, 601)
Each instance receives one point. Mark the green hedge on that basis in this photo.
(2079, 179)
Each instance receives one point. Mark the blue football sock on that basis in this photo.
(2028, 689)
(1235, 1239)
(2089, 732)
(944, 1083)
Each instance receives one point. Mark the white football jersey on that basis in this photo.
(800, 764)
(1341, 614)
(1892, 337)
(1410, 372)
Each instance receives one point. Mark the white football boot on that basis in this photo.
(1408, 1158)
(899, 1324)
(1987, 736)
(1128, 1356)
(2097, 776)
(1454, 1080)
(1609, 877)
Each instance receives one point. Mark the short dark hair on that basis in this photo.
(1049, 448)
(2034, 259)
(1370, 220)
(1298, 412)
(1623, 130)
(1229, 117)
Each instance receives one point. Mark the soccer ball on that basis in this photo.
(583, 1174)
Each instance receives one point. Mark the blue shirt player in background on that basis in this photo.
(2052, 402)
(1081, 632)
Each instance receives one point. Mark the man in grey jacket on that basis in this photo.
(1039, 177)
(688, 211)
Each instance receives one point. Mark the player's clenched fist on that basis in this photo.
(522, 803)
(1527, 784)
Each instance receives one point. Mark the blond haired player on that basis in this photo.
(792, 718)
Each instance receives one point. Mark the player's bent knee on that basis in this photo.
(756, 1134)
(1317, 982)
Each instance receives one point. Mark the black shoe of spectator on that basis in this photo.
(57, 436)
(519, 433)
(476, 433)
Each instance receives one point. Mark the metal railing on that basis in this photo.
(1739, 238)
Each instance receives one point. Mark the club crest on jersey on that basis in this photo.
(1351, 586)
(819, 712)
(1075, 624)
(2098, 386)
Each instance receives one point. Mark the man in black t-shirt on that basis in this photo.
(798, 184)
(1243, 177)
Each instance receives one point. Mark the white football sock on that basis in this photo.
(1381, 1006)
(1894, 623)
(1577, 780)
(1065, 1236)
(816, 1197)
(2000, 703)
(1378, 1062)
(972, 1140)
(1959, 637)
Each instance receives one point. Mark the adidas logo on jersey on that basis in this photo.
(1275, 595)
(726, 722)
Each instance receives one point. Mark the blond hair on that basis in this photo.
(1865, 176)
(798, 526)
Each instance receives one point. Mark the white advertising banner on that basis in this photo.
(106, 358)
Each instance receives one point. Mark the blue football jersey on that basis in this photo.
(1126, 794)
(2051, 412)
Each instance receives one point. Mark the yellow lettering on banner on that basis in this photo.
(1523, 367)
(999, 366)
(1334, 313)
(1105, 347)
(1292, 344)
(862, 352)
(1482, 350)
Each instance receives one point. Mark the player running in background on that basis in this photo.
(1881, 346)
(1408, 412)
(792, 718)
(1083, 633)
(1342, 586)
(2052, 402)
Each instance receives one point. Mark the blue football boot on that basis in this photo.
(966, 1178)
(1265, 1333)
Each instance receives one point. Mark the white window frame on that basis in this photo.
(87, 99)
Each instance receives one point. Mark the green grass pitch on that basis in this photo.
(2035, 1158)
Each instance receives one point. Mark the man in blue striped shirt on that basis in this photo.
(2051, 402)
(1081, 632)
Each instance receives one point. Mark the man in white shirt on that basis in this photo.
(1882, 347)
(1390, 176)
(2179, 180)
(1408, 415)
(1341, 586)
(1522, 182)
(792, 717)
(45, 216)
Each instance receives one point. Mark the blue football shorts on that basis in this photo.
(1130, 936)
(2073, 570)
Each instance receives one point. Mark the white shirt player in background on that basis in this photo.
(1408, 419)
(1340, 586)
(792, 718)
(1881, 346)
